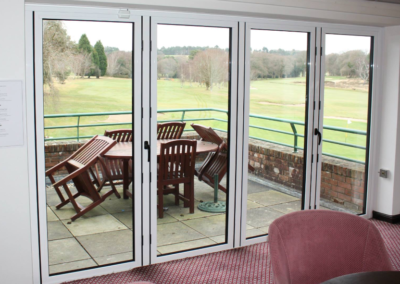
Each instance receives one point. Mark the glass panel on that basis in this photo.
(278, 107)
(346, 114)
(193, 87)
(87, 82)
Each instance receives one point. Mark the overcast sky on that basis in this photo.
(120, 35)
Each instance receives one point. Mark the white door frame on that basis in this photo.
(310, 114)
(372, 169)
(233, 25)
(36, 153)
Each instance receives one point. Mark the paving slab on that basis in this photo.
(270, 197)
(66, 212)
(126, 256)
(56, 230)
(94, 225)
(208, 226)
(173, 233)
(254, 233)
(218, 239)
(255, 187)
(71, 266)
(181, 213)
(125, 218)
(167, 219)
(251, 204)
(66, 250)
(117, 205)
(185, 246)
(51, 216)
(287, 207)
(204, 192)
(105, 244)
(264, 229)
(262, 217)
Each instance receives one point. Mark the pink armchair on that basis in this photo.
(315, 246)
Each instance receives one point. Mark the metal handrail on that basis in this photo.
(292, 124)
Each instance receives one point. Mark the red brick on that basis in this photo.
(344, 185)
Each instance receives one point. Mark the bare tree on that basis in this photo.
(211, 66)
(362, 67)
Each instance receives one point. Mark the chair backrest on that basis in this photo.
(217, 165)
(177, 161)
(170, 130)
(316, 245)
(89, 152)
(119, 135)
(207, 134)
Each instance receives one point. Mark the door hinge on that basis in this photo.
(142, 177)
(316, 51)
(321, 51)
(317, 158)
(142, 44)
(309, 207)
(315, 206)
(150, 177)
(314, 105)
(150, 112)
(151, 45)
(142, 240)
(320, 105)
(312, 158)
(150, 239)
(142, 112)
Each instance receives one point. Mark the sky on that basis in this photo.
(120, 35)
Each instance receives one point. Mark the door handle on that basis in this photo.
(316, 132)
(147, 147)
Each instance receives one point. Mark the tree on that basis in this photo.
(84, 44)
(211, 67)
(95, 70)
(102, 57)
(57, 51)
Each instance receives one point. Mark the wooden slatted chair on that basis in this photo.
(80, 168)
(209, 135)
(115, 166)
(170, 130)
(215, 162)
(216, 165)
(176, 166)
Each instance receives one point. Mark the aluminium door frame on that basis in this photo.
(371, 175)
(187, 20)
(288, 27)
(36, 153)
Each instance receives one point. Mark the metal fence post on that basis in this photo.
(77, 127)
(183, 115)
(295, 137)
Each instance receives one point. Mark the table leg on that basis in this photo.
(126, 177)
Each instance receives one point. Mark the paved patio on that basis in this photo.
(104, 235)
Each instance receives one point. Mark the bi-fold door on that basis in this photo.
(278, 122)
(233, 124)
(87, 75)
(194, 87)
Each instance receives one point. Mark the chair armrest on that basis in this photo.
(55, 168)
(69, 177)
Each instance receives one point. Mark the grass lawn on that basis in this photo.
(278, 98)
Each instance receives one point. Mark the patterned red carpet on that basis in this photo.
(243, 265)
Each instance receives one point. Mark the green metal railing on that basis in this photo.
(292, 124)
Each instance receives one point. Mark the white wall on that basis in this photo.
(387, 191)
(15, 238)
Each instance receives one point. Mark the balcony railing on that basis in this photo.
(292, 124)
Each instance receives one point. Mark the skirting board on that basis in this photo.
(393, 219)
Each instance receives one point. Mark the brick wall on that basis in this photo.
(342, 181)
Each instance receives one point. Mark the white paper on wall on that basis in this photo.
(11, 127)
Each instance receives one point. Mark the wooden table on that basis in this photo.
(123, 151)
(373, 277)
